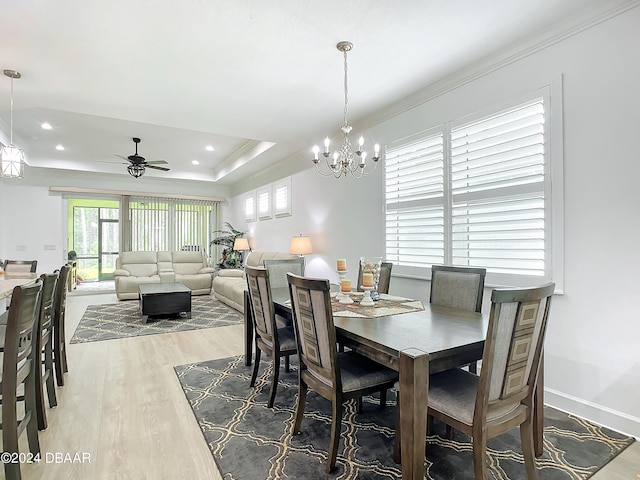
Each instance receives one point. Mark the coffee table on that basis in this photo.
(158, 299)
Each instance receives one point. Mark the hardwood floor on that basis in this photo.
(122, 408)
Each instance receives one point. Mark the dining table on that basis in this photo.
(415, 344)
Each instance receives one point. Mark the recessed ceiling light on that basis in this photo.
(195, 162)
(46, 126)
(59, 147)
(209, 148)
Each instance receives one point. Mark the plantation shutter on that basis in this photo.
(414, 193)
(498, 191)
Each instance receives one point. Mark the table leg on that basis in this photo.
(248, 330)
(538, 411)
(414, 378)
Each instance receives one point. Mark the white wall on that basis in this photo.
(592, 354)
(30, 229)
(33, 222)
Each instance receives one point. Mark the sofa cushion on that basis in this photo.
(139, 264)
(187, 263)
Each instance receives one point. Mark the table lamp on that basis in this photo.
(241, 245)
(300, 246)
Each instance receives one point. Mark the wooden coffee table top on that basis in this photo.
(159, 288)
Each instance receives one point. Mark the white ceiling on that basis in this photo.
(240, 75)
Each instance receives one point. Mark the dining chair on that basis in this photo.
(273, 340)
(383, 281)
(278, 269)
(457, 287)
(59, 317)
(336, 376)
(43, 348)
(18, 372)
(501, 397)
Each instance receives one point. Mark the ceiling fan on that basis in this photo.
(138, 164)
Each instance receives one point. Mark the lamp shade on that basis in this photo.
(300, 246)
(241, 244)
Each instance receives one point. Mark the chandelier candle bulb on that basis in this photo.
(367, 279)
(341, 265)
(345, 285)
(327, 142)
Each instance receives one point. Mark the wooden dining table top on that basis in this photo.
(442, 332)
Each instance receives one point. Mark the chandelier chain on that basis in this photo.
(11, 116)
(346, 90)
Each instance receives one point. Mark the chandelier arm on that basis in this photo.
(337, 173)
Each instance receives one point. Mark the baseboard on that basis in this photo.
(605, 416)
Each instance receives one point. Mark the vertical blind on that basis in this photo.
(471, 194)
(158, 223)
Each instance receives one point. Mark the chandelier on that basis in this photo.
(11, 157)
(345, 160)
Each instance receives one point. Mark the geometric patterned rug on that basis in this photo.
(123, 319)
(252, 442)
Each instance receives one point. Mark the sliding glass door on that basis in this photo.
(96, 240)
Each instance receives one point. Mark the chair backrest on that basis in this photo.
(383, 281)
(20, 268)
(278, 270)
(47, 299)
(314, 328)
(512, 349)
(457, 287)
(23, 315)
(60, 296)
(261, 303)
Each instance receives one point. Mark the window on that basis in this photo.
(157, 224)
(282, 197)
(264, 202)
(250, 207)
(475, 192)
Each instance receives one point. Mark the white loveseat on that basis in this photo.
(135, 268)
(230, 284)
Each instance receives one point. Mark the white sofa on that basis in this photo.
(135, 268)
(229, 285)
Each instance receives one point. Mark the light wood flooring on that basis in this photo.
(122, 406)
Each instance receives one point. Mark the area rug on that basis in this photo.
(252, 442)
(123, 319)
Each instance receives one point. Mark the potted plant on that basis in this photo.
(230, 258)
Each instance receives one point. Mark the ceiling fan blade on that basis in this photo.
(157, 162)
(123, 158)
(164, 169)
(112, 161)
